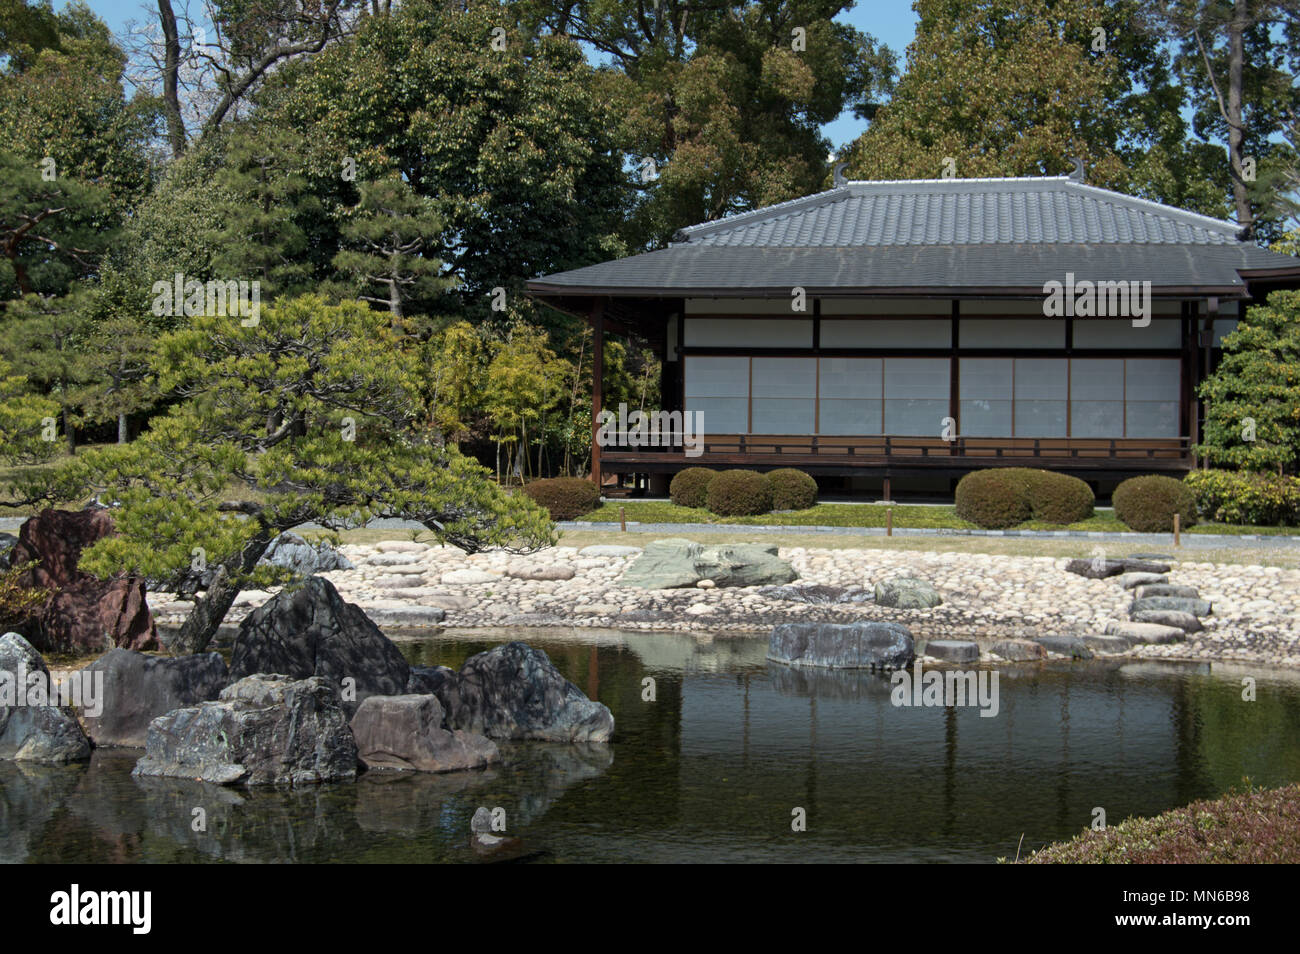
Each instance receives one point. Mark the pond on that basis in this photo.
(713, 768)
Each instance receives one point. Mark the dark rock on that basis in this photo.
(864, 645)
(1095, 569)
(311, 631)
(1166, 589)
(424, 679)
(670, 564)
(907, 592)
(39, 732)
(1160, 557)
(83, 613)
(1108, 643)
(514, 692)
(406, 733)
(1179, 603)
(817, 594)
(264, 730)
(7, 542)
(1184, 621)
(306, 559)
(953, 650)
(1019, 650)
(1071, 646)
(139, 688)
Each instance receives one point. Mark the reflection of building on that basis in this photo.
(898, 329)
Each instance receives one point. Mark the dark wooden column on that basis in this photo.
(597, 319)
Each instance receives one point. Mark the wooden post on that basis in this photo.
(622, 519)
(1176, 528)
(597, 381)
(888, 490)
(889, 521)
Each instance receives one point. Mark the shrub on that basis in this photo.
(1003, 497)
(690, 487)
(792, 489)
(18, 602)
(1246, 498)
(567, 498)
(739, 493)
(1148, 504)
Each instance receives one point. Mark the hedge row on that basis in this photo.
(566, 498)
(743, 493)
(1246, 498)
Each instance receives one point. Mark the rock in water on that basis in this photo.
(1071, 646)
(405, 732)
(84, 612)
(514, 692)
(1019, 650)
(33, 733)
(675, 563)
(139, 688)
(306, 559)
(311, 631)
(865, 645)
(264, 730)
(907, 592)
(953, 650)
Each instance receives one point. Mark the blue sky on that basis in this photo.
(892, 22)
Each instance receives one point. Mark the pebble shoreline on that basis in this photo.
(402, 584)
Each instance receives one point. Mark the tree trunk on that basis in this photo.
(1236, 132)
(209, 610)
(68, 435)
(171, 85)
(121, 427)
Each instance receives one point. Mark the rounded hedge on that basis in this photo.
(1148, 504)
(792, 489)
(690, 487)
(1242, 497)
(739, 493)
(1003, 497)
(566, 498)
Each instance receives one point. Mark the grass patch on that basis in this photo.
(1251, 827)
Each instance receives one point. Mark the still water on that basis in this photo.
(713, 767)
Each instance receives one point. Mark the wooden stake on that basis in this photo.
(1176, 528)
(622, 519)
(889, 521)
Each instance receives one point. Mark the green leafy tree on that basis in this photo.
(523, 384)
(312, 414)
(26, 420)
(385, 237)
(456, 359)
(1252, 420)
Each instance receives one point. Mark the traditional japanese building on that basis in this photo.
(914, 331)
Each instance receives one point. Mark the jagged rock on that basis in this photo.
(311, 631)
(38, 732)
(83, 613)
(817, 594)
(406, 733)
(1184, 621)
(264, 730)
(953, 650)
(1196, 607)
(907, 592)
(139, 688)
(675, 563)
(1019, 650)
(306, 559)
(864, 645)
(1071, 646)
(514, 692)
(1153, 633)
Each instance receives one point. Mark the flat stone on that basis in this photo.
(407, 570)
(1138, 633)
(1132, 580)
(907, 592)
(392, 559)
(675, 563)
(540, 572)
(608, 550)
(1071, 646)
(1184, 621)
(1019, 650)
(469, 577)
(1108, 643)
(401, 546)
(953, 650)
(864, 645)
(1166, 589)
(1178, 603)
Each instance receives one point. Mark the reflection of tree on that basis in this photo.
(1235, 738)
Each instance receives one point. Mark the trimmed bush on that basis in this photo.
(566, 498)
(1263, 500)
(792, 489)
(1148, 504)
(739, 493)
(1003, 497)
(690, 487)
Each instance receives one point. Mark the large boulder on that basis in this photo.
(675, 563)
(310, 631)
(31, 730)
(83, 612)
(139, 688)
(306, 559)
(264, 730)
(863, 645)
(515, 692)
(1019, 650)
(1181, 604)
(1095, 569)
(406, 733)
(907, 592)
